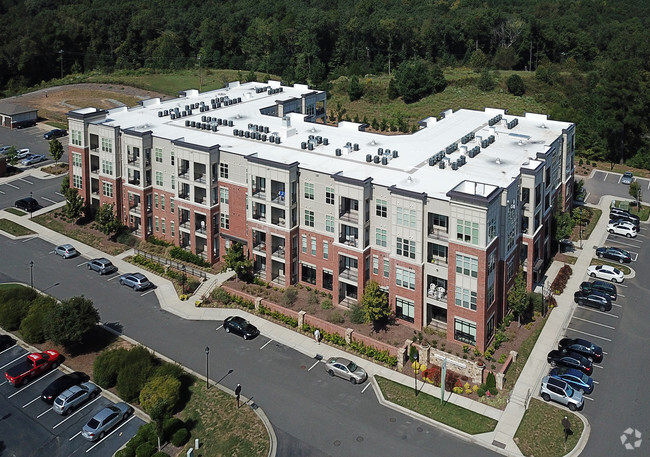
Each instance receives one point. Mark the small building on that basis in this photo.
(17, 116)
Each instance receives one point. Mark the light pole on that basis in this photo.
(61, 54)
(207, 365)
(31, 274)
(580, 222)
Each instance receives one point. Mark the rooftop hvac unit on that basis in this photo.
(368, 157)
(193, 124)
(441, 165)
(206, 108)
(277, 140)
(187, 107)
(235, 132)
(491, 139)
(218, 104)
(160, 114)
(173, 116)
(384, 160)
(247, 134)
(338, 151)
(319, 140)
(380, 151)
(230, 124)
(376, 159)
(471, 153)
(310, 146)
(395, 154)
(463, 160)
(241, 133)
(263, 136)
(166, 113)
(202, 118)
(250, 126)
(454, 166)
(356, 146)
(187, 123)
(184, 113)
(386, 152)
(326, 141)
(271, 139)
(311, 137)
(214, 128)
(432, 161)
(485, 143)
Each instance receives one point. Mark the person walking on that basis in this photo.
(317, 335)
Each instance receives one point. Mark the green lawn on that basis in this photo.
(626, 270)
(447, 413)
(14, 229)
(541, 434)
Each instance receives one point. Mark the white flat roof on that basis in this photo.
(496, 165)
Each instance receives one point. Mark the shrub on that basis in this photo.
(560, 281)
(480, 392)
(493, 391)
(145, 450)
(136, 369)
(490, 381)
(171, 425)
(107, 366)
(146, 434)
(186, 256)
(12, 313)
(336, 318)
(289, 297)
(356, 314)
(149, 264)
(503, 358)
(126, 452)
(516, 86)
(33, 326)
(160, 389)
(326, 304)
(180, 437)
(313, 298)
(174, 370)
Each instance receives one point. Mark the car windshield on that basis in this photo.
(617, 271)
(93, 424)
(584, 378)
(569, 390)
(352, 367)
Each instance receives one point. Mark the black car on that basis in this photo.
(620, 255)
(570, 359)
(55, 133)
(241, 327)
(586, 348)
(6, 342)
(63, 383)
(594, 299)
(600, 286)
(615, 213)
(28, 204)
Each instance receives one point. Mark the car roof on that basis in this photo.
(66, 246)
(103, 260)
(139, 276)
(341, 360)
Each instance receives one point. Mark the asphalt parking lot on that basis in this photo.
(605, 183)
(28, 423)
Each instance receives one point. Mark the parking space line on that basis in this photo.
(24, 180)
(218, 328)
(11, 185)
(43, 413)
(4, 383)
(123, 424)
(75, 435)
(29, 239)
(146, 293)
(14, 360)
(114, 277)
(28, 384)
(626, 244)
(265, 344)
(59, 193)
(599, 312)
(605, 353)
(315, 363)
(616, 304)
(588, 334)
(29, 403)
(51, 201)
(598, 366)
(595, 323)
(7, 349)
(82, 263)
(587, 398)
(77, 411)
(364, 389)
(595, 382)
(1, 192)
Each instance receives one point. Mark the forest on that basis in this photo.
(589, 58)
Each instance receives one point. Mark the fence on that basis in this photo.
(173, 264)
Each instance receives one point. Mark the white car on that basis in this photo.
(606, 272)
(23, 153)
(622, 228)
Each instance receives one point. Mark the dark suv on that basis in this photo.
(594, 299)
(615, 213)
(600, 286)
(570, 359)
(583, 347)
(55, 133)
(28, 204)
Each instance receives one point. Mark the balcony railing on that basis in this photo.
(350, 216)
(351, 274)
(438, 233)
(95, 170)
(184, 196)
(259, 247)
(278, 221)
(437, 293)
(135, 182)
(279, 252)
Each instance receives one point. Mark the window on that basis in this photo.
(172, 227)
(75, 136)
(489, 328)
(466, 298)
(406, 248)
(406, 217)
(329, 195)
(157, 225)
(467, 266)
(171, 157)
(511, 269)
(304, 244)
(76, 159)
(107, 167)
(308, 274)
(159, 178)
(76, 181)
(223, 170)
(225, 221)
(107, 145)
(107, 189)
(309, 190)
(163, 226)
(328, 280)
(224, 195)
(326, 248)
(386, 268)
(171, 205)
(329, 223)
(490, 295)
(173, 182)
(155, 200)
(465, 331)
(467, 231)
(380, 235)
(309, 218)
(491, 262)
(405, 309)
(381, 208)
(313, 246)
(158, 153)
(405, 278)
(492, 229)
(375, 265)
(438, 250)
(440, 221)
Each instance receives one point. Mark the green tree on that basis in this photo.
(33, 327)
(71, 320)
(251, 76)
(74, 203)
(516, 85)
(375, 303)
(485, 81)
(518, 298)
(478, 61)
(160, 390)
(106, 219)
(392, 92)
(11, 155)
(413, 80)
(355, 91)
(564, 224)
(56, 150)
(236, 260)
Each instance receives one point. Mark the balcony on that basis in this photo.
(279, 221)
(279, 252)
(136, 209)
(184, 196)
(349, 274)
(349, 240)
(349, 216)
(95, 171)
(438, 233)
(134, 181)
(259, 216)
(133, 160)
(260, 247)
(437, 293)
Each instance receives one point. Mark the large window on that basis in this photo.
(406, 217)
(224, 195)
(158, 153)
(225, 221)
(162, 201)
(309, 190)
(304, 244)
(405, 278)
(329, 223)
(405, 309)
(76, 181)
(75, 136)
(375, 265)
(309, 218)
(380, 237)
(107, 145)
(329, 195)
(406, 248)
(308, 274)
(159, 178)
(107, 189)
(492, 229)
(328, 280)
(467, 231)
(223, 170)
(107, 167)
(465, 331)
(76, 159)
(326, 249)
(465, 298)
(381, 208)
(467, 266)
(313, 246)
(440, 221)
(386, 268)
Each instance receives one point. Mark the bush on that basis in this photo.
(134, 373)
(313, 298)
(145, 450)
(536, 301)
(12, 313)
(171, 425)
(490, 381)
(480, 392)
(356, 314)
(146, 434)
(180, 437)
(560, 281)
(289, 297)
(107, 366)
(33, 326)
(493, 391)
(221, 296)
(186, 256)
(160, 389)
(516, 86)
(326, 304)
(174, 370)
(126, 452)
(336, 318)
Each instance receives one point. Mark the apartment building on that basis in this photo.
(442, 218)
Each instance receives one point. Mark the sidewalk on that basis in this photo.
(501, 440)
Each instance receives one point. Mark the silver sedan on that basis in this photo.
(346, 369)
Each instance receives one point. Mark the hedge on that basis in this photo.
(181, 254)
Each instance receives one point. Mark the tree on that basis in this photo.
(392, 93)
(564, 224)
(160, 392)
(485, 81)
(635, 192)
(516, 85)
(56, 150)
(236, 260)
(33, 326)
(71, 320)
(107, 220)
(518, 295)
(74, 203)
(355, 91)
(375, 303)
(478, 61)
(11, 155)
(413, 80)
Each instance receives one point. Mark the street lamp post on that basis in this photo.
(61, 53)
(31, 274)
(207, 366)
(580, 222)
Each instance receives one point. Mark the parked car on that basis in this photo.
(594, 299)
(33, 159)
(102, 266)
(28, 204)
(241, 327)
(622, 228)
(33, 365)
(137, 281)
(105, 420)
(23, 153)
(601, 286)
(571, 360)
(6, 342)
(62, 383)
(69, 399)
(346, 369)
(575, 378)
(625, 216)
(615, 212)
(624, 221)
(566, 245)
(606, 272)
(583, 347)
(4, 149)
(561, 392)
(66, 251)
(627, 178)
(620, 255)
(55, 133)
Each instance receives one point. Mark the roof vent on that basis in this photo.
(498, 161)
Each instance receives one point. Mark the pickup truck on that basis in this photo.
(33, 365)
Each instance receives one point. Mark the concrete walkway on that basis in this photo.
(501, 440)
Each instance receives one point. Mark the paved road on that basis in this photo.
(605, 183)
(312, 414)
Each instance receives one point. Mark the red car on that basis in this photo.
(34, 364)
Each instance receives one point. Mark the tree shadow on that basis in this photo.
(96, 340)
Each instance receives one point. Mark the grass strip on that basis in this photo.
(14, 229)
(429, 406)
(623, 268)
(525, 349)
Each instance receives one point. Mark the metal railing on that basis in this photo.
(173, 263)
